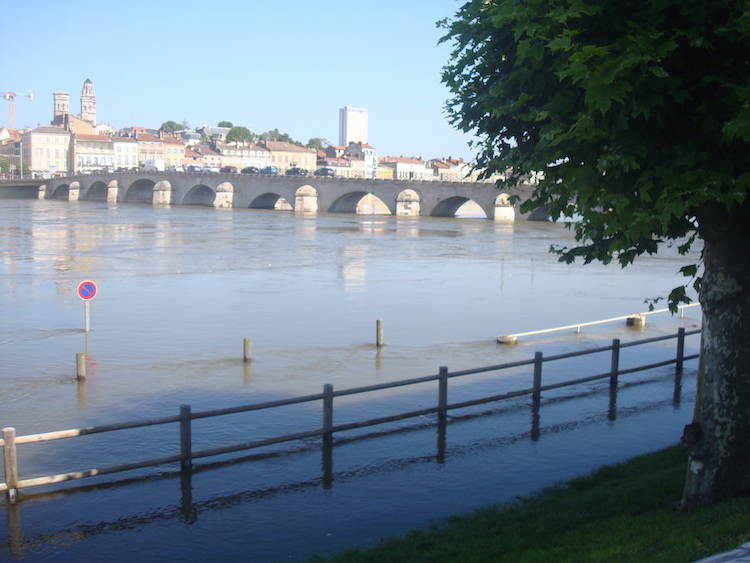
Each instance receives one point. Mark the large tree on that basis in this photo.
(637, 113)
(239, 134)
(171, 126)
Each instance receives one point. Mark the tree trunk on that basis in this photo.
(718, 439)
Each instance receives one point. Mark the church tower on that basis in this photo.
(62, 103)
(88, 103)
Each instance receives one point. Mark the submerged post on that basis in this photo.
(680, 349)
(615, 365)
(327, 413)
(11, 463)
(186, 439)
(379, 333)
(246, 352)
(80, 366)
(443, 393)
(537, 376)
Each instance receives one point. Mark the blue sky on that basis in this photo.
(286, 64)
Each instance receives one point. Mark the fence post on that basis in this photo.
(615, 362)
(186, 439)
(327, 413)
(11, 463)
(537, 376)
(443, 393)
(680, 349)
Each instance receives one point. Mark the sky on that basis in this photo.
(282, 64)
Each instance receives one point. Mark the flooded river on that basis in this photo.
(180, 288)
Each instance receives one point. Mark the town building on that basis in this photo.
(126, 153)
(244, 155)
(46, 151)
(204, 154)
(213, 134)
(287, 155)
(93, 153)
(363, 157)
(174, 151)
(407, 168)
(352, 126)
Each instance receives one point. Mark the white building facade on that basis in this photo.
(352, 126)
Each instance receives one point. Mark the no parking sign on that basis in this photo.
(87, 291)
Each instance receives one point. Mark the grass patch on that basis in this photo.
(622, 512)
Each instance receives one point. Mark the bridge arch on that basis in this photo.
(61, 192)
(140, 191)
(270, 201)
(96, 192)
(200, 195)
(449, 206)
(540, 213)
(365, 203)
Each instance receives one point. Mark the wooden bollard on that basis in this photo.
(246, 352)
(80, 366)
(379, 333)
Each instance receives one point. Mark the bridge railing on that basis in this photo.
(328, 427)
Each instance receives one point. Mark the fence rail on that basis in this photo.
(185, 417)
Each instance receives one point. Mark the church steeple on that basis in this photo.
(88, 103)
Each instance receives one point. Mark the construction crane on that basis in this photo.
(11, 97)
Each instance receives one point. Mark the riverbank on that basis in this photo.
(623, 512)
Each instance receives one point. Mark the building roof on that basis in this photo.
(400, 160)
(100, 138)
(282, 146)
(58, 130)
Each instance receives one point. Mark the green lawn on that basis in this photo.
(619, 513)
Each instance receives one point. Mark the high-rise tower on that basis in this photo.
(352, 126)
(88, 103)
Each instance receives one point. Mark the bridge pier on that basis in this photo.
(504, 210)
(113, 191)
(224, 196)
(74, 191)
(407, 204)
(162, 194)
(306, 200)
(42, 193)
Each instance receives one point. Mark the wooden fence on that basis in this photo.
(185, 417)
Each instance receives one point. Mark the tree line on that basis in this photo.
(240, 134)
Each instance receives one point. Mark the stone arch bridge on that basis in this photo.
(300, 194)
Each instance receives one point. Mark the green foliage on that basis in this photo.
(318, 143)
(171, 126)
(225, 124)
(239, 134)
(276, 135)
(4, 166)
(635, 113)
